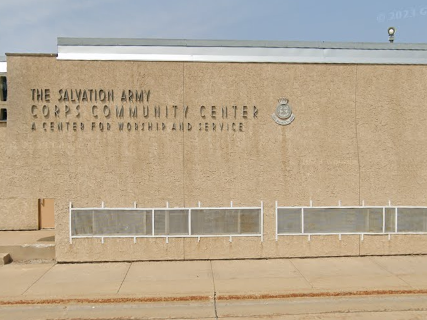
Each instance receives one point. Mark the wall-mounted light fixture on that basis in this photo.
(391, 32)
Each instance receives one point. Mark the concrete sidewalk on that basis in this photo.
(202, 280)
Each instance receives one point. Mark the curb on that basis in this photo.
(208, 298)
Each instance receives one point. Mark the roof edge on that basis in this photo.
(31, 54)
(64, 41)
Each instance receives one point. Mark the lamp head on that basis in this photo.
(391, 33)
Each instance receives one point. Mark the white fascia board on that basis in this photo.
(3, 66)
(242, 54)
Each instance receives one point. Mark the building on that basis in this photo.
(174, 149)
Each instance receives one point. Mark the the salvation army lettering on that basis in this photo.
(74, 110)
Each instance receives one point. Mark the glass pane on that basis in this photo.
(3, 114)
(289, 220)
(3, 88)
(412, 220)
(178, 222)
(225, 221)
(81, 223)
(171, 222)
(122, 222)
(342, 220)
(250, 221)
(389, 220)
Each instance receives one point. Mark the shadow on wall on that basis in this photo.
(49, 239)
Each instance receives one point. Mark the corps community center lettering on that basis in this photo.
(129, 110)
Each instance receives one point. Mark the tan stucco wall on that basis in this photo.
(18, 211)
(359, 134)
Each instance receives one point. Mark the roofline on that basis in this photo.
(240, 51)
(31, 54)
(63, 41)
(3, 64)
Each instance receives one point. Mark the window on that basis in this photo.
(359, 220)
(3, 88)
(3, 114)
(164, 222)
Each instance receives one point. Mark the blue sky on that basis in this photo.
(34, 25)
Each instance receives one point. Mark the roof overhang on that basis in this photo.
(240, 51)
(3, 64)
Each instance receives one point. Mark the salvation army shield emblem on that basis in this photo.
(283, 114)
